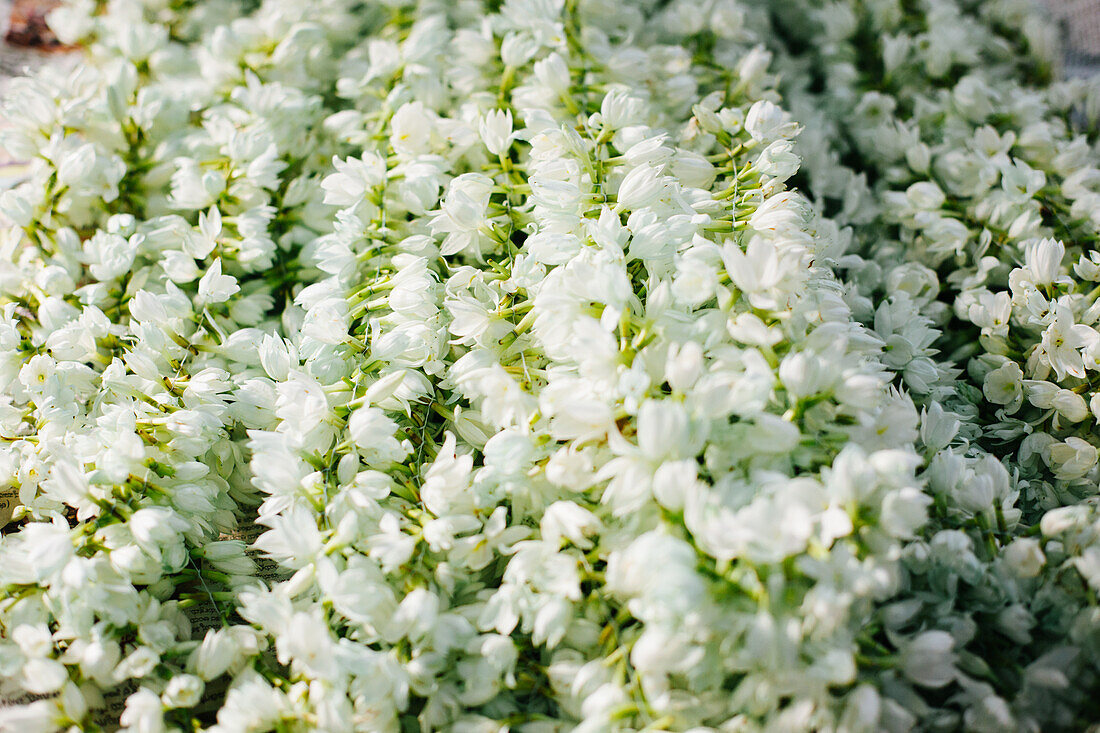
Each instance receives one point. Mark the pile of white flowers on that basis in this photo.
(556, 405)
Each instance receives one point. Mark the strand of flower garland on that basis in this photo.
(549, 373)
(132, 365)
(975, 161)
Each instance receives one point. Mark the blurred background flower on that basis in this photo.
(1080, 23)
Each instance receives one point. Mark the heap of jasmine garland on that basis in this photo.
(560, 410)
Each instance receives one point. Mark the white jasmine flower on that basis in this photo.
(373, 432)
(1062, 343)
(1025, 557)
(553, 73)
(463, 214)
(143, 713)
(446, 484)
(566, 519)
(778, 160)
(354, 179)
(496, 131)
(639, 188)
(766, 122)
(412, 131)
(1072, 458)
(928, 659)
(1004, 386)
(183, 691)
(214, 287)
(1043, 259)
